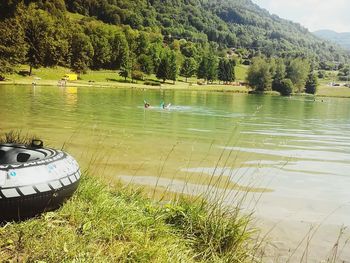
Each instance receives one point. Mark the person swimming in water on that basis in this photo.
(163, 106)
(146, 104)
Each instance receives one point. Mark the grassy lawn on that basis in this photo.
(326, 91)
(241, 72)
(110, 78)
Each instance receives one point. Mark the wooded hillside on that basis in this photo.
(136, 35)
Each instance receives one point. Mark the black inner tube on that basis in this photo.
(12, 154)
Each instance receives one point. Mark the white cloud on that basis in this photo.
(313, 14)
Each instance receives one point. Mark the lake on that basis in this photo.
(292, 154)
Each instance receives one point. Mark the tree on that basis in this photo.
(259, 75)
(208, 68)
(226, 70)
(145, 64)
(37, 27)
(142, 44)
(12, 45)
(163, 68)
(126, 68)
(101, 39)
(212, 68)
(280, 74)
(173, 69)
(188, 68)
(297, 72)
(119, 50)
(81, 52)
(344, 73)
(202, 68)
(8, 8)
(286, 87)
(311, 83)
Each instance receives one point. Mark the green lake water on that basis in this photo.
(297, 148)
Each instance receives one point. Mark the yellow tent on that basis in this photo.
(71, 77)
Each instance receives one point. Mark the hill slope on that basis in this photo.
(234, 23)
(113, 34)
(343, 39)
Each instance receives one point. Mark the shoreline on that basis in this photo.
(113, 84)
(323, 92)
(289, 231)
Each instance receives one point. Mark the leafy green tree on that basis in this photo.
(344, 73)
(163, 68)
(47, 37)
(173, 68)
(202, 68)
(226, 70)
(145, 64)
(259, 75)
(311, 83)
(57, 44)
(297, 72)
(8, 8)
(222, 70)
(82, 52)
(208, 67)
(126, 68)
(155, 52)
(38, 24)
(212, 68)
(279, 76)
(188, 49)
(101, 39)
(286, 87)
(142, 44)
(321, 74)
(188, 68)
(12, 45)
(119, 50)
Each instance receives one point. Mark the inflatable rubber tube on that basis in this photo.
(34, 180)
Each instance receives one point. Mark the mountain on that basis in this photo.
(232, 23)
(343, 39)
(111, 33)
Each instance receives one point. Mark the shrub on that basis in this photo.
(286, 87)
(311, 84)
(321, 74)
(138, 75)
(152, 83)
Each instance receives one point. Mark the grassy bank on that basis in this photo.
(101, 224)
(340, 92)
(109, 78)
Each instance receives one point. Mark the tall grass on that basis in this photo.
(17, 137)
(118, 224)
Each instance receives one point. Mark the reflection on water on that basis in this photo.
(71, 95)
(297, 147)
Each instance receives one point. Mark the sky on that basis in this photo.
(312, 14)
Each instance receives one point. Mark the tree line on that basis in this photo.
(286, 76)
(227, 23)
(38, 38)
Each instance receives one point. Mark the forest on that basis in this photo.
(206, 38)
